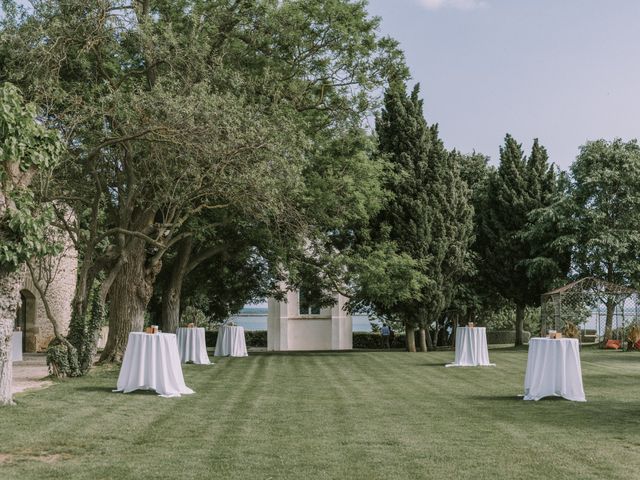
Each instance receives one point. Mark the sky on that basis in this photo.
(562, 71)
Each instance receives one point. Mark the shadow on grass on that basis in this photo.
(307, 353)
(97, 389)
(498, 398)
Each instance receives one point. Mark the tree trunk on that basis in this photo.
(423, 340)
(519, 324)
(453, 331)
(129, 296)
(9, 298)
(432, 340)
(411, 338)
(608, 327)
(173, 288)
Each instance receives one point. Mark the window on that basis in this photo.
(306, 305)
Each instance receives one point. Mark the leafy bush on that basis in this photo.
(194, 315)
(62, 359)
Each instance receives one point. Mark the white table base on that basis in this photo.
(471, 348)
(192, 346)
(152, 362)
(16, 347)
(553, 369)
(231, 342)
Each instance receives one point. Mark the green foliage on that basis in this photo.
(518, 261)
(172, 110)
(429, 218)
(195, 316)
(25, 147)
(62, 360)
(603, 211)
(84, 331)
(503, 318)
(472, 295)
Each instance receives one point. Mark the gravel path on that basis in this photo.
(31, 373)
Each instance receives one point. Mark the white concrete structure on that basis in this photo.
(290, 327)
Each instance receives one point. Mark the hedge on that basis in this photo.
(372, 340)
(253, 338)
(504, 337)
(367, 340)
(258, 338)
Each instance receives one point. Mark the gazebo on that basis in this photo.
(601, 309)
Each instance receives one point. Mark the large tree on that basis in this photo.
(429, 216)
(26, 147)
(170, 108)
(601, 215)
(472, 296)
(515, 264)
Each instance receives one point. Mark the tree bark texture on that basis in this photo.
(129, 296)
(454, 330)
(9, 298)
(432, 340)
(519, 324)
(423, 340)
(173, 288)
(411, 338)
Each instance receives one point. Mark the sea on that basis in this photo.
(256, 319)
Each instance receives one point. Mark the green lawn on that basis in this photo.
(336, 415)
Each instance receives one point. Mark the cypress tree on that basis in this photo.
(516, 264)
(429, 217)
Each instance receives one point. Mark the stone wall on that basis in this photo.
(57, 275)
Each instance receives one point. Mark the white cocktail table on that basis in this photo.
(152, 362)
(553, 369)
(471, 348)
(16, 346)
(192, 345)
(231, 342)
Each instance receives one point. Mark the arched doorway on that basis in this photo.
(27, 320)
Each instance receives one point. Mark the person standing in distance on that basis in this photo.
(386, 333)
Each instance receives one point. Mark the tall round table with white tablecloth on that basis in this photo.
(553, 369)
(16, 346)
(471, 348)
(231, 342)
(192, 345)
(152, 362)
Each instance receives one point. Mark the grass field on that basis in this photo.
(364, 415)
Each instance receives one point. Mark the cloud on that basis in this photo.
(454, 4)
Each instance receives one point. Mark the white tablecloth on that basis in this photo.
(553, 369)
(152, 362)
(471, 348)
(192, 346)
(16, 347)
(231, 342)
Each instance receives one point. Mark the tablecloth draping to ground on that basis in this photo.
(471, 348)
(231, 342)
(152, 362)
(192, 345)
(553, 369)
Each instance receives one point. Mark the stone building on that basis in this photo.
(57, 276)
(294, 325)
